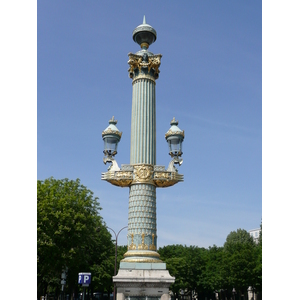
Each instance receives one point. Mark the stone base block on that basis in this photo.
(138, 281)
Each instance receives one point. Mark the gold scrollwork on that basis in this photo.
(154, 62)
(143, 174)
(143, 246)
(170, 133)
(132, 246)
(110, 131)
(162, 175)
(121, 183)
(136, 61)
(118, 178)
(123, 174)
(165, 179)
(152, 246)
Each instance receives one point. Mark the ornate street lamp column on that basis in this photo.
(142, 175)
(142, 231)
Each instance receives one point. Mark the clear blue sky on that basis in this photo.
(210, 80)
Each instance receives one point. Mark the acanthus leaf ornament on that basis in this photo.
(132, 246)
(152, 246)
(143, 246)
(147, 62)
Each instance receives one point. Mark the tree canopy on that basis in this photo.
(203, 271)
(70, 234)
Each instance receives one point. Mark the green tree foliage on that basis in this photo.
(240, 260)
(67, 219)
(204, 271)
(174, 257)
(241, 236)
(186, 264)
(213, 277)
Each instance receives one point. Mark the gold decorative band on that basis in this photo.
(118, 178)
(169, 133)
(146, 45)
(166, 178)
(142, 253)
(142, 173)
(110, 131)
(146, 260)
(143, 76)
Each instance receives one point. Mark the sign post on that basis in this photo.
(84, 279)
(63, 281)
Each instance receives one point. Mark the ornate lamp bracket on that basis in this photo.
(175, 160)
(114, 165)
(143, 173)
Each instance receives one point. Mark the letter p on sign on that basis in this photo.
(84, 278)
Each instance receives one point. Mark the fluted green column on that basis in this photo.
(143, 122)
(142, 230)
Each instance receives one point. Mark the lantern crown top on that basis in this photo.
(174, 130)
(112, 128)
(144, 34)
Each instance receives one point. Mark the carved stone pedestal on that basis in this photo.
(143, 281)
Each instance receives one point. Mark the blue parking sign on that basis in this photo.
(84, 278)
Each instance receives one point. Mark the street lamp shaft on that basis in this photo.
(116, 245)
(116, 254)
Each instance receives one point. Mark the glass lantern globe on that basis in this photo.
(175, 145)
(175, 138)
(111, 137)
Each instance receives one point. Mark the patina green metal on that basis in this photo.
(142, 175)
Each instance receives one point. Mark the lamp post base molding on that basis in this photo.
(138, 281)
(139, 256)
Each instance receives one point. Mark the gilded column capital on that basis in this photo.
(145, 64)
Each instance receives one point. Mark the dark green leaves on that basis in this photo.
(238, 264)
(67, 236)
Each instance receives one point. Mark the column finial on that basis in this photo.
(144, 33)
